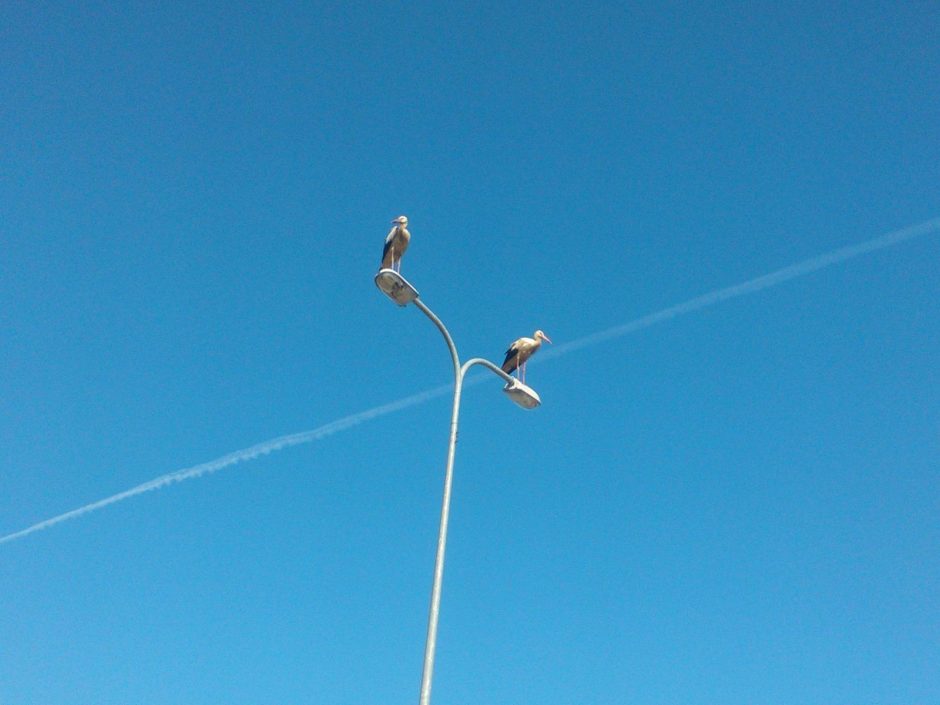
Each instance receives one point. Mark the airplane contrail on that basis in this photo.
(750, 286)
(710, 299)
(239, 456)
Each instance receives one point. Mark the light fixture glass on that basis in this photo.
(395, 286)
(522, 394)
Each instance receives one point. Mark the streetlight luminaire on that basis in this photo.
(396, 287)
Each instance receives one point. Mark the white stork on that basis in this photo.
(520, 351)
(396, 242)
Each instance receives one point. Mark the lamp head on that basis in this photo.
(521, 394)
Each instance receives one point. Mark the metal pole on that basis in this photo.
(434, 611)
(435, 608)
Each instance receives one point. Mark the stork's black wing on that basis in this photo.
(511, 361)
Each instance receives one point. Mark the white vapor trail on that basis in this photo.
(239, 456)
(710, 299)
(750, 286)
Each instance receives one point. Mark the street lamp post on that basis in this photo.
(401, 292)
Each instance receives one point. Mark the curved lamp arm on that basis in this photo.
(509, 379)
(443, 329)
(521, 394)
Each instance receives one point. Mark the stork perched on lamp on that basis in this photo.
(396, 242)
(520, 352)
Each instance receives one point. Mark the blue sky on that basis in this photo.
(736, 505)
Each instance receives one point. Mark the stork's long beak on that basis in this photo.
(547, 338)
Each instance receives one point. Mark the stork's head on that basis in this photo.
(401, 220)
(539, 335)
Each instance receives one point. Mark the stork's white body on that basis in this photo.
(396, 242)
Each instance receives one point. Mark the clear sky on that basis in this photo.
(738, 504)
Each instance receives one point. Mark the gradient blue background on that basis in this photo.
(737, 506)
